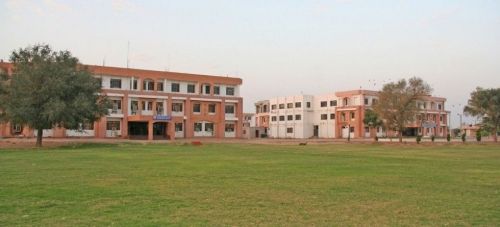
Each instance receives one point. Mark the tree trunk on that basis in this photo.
(495, 131)
(400, 136)
(39, 135)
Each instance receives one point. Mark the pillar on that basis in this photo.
(125, 108)
(150, 130)
(221, 127)
(188, 123)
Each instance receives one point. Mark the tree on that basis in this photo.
(485, 103)
(397, 103)
(371, 119)
(49, 88)
(3, 93)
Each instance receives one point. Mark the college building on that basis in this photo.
(149, 104)
(341, 114)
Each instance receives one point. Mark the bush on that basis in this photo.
(448, 137)
(419, 138)
(478, 136)
(463, 137)
(263, 136)
(433, 138)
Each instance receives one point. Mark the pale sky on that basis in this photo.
(278, 47)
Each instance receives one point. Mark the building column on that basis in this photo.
(100, 128)
(222, 119)
(125, 108)
(188, 123)
(171, 130)
(239, 123)
(150, 130)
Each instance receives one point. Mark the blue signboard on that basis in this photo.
(161, 118)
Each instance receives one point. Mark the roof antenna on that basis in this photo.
(128, 50)
(104, 61)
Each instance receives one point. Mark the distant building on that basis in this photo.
(149, 104)
(341, 114)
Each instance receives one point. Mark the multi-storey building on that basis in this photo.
(151, 105)
(261, 118)
(341, 114)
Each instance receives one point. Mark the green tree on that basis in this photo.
(3, 93)
(372, 120)
(397, 105)
(50, 88)
(485, 103)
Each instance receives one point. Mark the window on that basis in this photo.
(159, 108)
(116, 105)
(209, 127)
(333, 103)
(298, 117)
(265, 109)
(230, 91)
(134, 106)
(207, 89)
(439, 106)
(144, 105)
(150, 105)
(147, 85)
(229, 109)
(99, 80)
(289, 130)
(273, 118)
(308, 104)
(197, 127)
(175, 87)
(159, 86)
(113, 125)
(216, 90)
(282, 106)
(289, 105)
(289, 117)
(282, 118)
(191, 88)
(353, 115)
(352, 129)
(273, 107)
(367, 130)
(366, 101)
(324, 104)
(298, 104)
(343, 117)
(196, 108)
(346, 101)
(332, 116)
(178, 127)
(211, 108)
(324, 116)
(134, 84)
(229, 127)
(115, 83)
(176, 107)
(17, 128)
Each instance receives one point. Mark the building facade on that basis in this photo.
(149, 104)
(341, 114)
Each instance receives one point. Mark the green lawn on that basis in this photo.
(242, 184)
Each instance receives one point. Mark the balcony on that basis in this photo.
(115, 112)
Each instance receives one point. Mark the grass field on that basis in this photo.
(243, 184)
